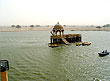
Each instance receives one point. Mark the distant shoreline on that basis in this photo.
(22, 29)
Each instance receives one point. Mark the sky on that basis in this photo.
(49, 12)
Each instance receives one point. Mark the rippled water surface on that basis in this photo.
(31, 59)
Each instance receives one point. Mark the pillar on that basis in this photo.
(51, 40)
(4, 76)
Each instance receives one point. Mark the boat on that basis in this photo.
(86, 44)
(83, 44)
(104, 53)
(53, 45)
(78, 44)
(71, 30)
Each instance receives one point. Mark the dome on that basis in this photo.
(58, 27)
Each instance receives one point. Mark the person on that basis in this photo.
(105, 51)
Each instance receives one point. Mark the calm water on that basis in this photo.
(31, 59)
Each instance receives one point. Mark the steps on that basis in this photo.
(65, 41)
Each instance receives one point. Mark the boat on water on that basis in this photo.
(86, 43)
(83, 44)
(78, 44)
(53, 45)
(103, 53)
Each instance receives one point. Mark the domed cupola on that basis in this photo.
(58, 28)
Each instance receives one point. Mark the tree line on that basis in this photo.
(19, 26)
(106, 25)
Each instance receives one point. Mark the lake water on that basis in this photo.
(31, 59)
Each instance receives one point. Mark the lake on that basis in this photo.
(31, 59)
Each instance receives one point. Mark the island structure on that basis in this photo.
(58, 37)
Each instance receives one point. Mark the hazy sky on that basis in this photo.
(43, 12)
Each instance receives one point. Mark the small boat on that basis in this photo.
(78, 44)
(53, 45)
(83, 44)
(86, 44)
(104, 53)
(72, 30)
